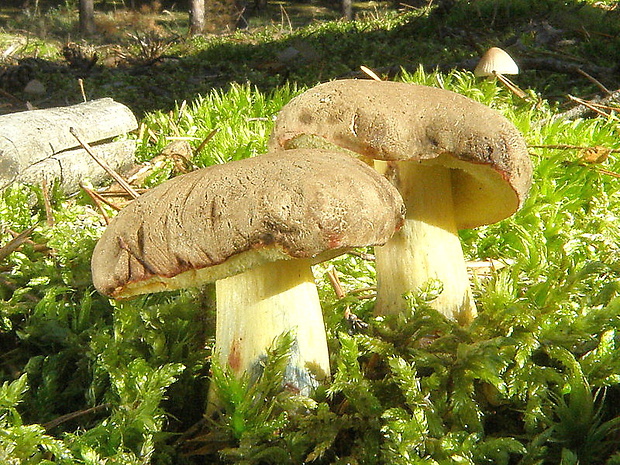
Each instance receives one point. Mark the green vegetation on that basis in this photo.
(535, 379)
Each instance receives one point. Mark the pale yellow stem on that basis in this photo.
(255, 307)
(426, 247)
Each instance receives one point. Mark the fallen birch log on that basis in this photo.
(71, 167)
(38, 144)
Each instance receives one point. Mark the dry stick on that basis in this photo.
(335, 282)
(595, 81)
(566, 147)
(589, 165)
(206, 140)
(49, 215)
(102, 198)
(81, 84)
(596, 33)
(604, 107)
(95, 198)
(124, 184)
(71, 416)
(359, 293)
(579, 110)
(604, 171)
(363, 255)
(601, 106)
(119, 193)
(370, 73)
(511, 86)
(35, 245)
(16, 242)
(349, 316)
(590, 106)
(284, 14)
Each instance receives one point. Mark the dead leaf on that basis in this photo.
(597, 154)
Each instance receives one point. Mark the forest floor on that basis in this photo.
(145, 58)
(535, 378)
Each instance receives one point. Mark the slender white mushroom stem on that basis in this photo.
(255, 307)
(426, 247)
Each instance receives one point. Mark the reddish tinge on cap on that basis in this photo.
(254, 226)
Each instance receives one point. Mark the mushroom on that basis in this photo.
(457, 163)
(254, 227)
(497, 63)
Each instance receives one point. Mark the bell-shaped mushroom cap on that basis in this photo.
(495, 61)
(221, 220)
(397, 121)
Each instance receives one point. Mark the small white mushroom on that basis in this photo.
(495, 61)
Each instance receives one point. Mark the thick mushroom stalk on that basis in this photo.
(457, 163)
(257, 306)
(252, 226)
(426, 247)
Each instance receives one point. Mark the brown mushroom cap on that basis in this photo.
(219, 221)
(495, 61)
(397, 121)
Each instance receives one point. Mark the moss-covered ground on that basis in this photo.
(534, 380)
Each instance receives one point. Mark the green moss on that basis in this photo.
(533, 381)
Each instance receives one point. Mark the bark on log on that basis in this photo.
(30, 137)
(72, 167)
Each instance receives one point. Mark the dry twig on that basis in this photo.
(96, 198)
(206, 140)
(592, 107)
(512, 87)
(335, 282)
(350, 317)
(593, 80)
(117, 177)
(370, 73)
(16, 242)
(49, 214)
(73, 415)
(598, 102)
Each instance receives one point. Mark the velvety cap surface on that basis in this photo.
(397, 121)
(296, 204)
